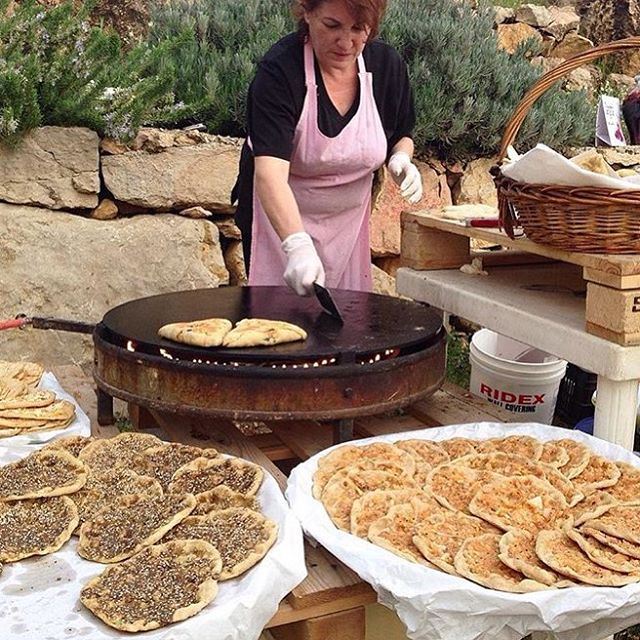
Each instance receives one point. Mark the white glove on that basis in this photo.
(303, 263)
(406, 175)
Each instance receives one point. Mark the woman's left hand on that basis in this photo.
(407, 176)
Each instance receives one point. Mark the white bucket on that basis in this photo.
(515, 376)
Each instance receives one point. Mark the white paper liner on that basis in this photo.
(40, 596)
(80, 426)
(437, 606)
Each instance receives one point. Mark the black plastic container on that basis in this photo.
(574, 396)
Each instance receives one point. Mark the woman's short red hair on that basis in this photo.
(368, 12)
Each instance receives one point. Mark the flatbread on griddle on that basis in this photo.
(395, 531)
(42, 474)
(458, 447)
(72, 444)
(526, 446)
(598, 474)
(382, 456)
(35, 527)
(594, 505)
(242, 536)
(478, 561)
(104, 487)
(579, 455)
(198, 333)
(258, 332)
(162, 584)
(602, 554)
(119, 451)
(563, 555)
(203, 474)
(375, 504)
(30, 400)
(453, 485)
(520, 502)
(621, 521)
(554, 454)
(220, 498)
(349, 484)
(441, 534)
(627, 488)
(27, 372)
(518, 551)
(623, 546)
(130, 523)
(163, 461)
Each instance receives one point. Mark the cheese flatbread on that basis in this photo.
(258, 332)
(598, 473)
(199, 333)
(579, 455)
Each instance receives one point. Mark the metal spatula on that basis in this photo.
(325, 299)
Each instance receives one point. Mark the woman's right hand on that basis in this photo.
(304, 266)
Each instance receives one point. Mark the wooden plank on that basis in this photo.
(617, 311)
(426, 248)
(611, 279)
(272, 446)
(345, 625)
(382, 425)
(287, 614)
(304, 438)
(623, 265)
(454, 405)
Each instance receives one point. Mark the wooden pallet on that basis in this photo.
(330, 602)
(612, 282)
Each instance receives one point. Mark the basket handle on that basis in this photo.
(551, 77)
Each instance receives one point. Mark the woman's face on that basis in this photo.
(336, 37)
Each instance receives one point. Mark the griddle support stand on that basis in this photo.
(105, 408)
(342, 430)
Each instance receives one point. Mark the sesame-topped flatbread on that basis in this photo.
(395, 531)
(375, 504)
(594, 505)
(598, 474)
(525, 446)
(518, 551)
(31, 400)
(220, 498)
(163, 461)
(71, 444)
(35, 527)
(621, 521)
(12, 388)
(520, 502)
(579, 455)
(382, 456)
(130, 523)
(119, 451)
(203, 474)
(440, 535)
(242, 536)
(347, 485)
(258, 332)
(162, 584)
(453, 485)
(623, 546)
(478, 561)
(627, 489)
(563, 555)
(104, 487)
(554, 454)
(42, 474)
(27, 372)
(602, 554)
(458, 447)
(199, 333)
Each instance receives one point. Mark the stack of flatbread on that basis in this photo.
(24, 408)
(170, 520)
(216, 332)
(513, 514)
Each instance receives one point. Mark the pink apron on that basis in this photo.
(331, 179)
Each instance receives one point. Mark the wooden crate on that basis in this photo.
(612, 282)
(332, 597)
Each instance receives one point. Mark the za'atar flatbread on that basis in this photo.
(258, 332)
(198, 333)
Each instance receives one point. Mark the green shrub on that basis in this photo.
(55, 69)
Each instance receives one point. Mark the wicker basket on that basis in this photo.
(582, 219)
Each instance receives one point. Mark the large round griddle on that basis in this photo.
(387, 353)
(372, 324)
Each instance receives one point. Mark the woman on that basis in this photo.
(327, 107)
